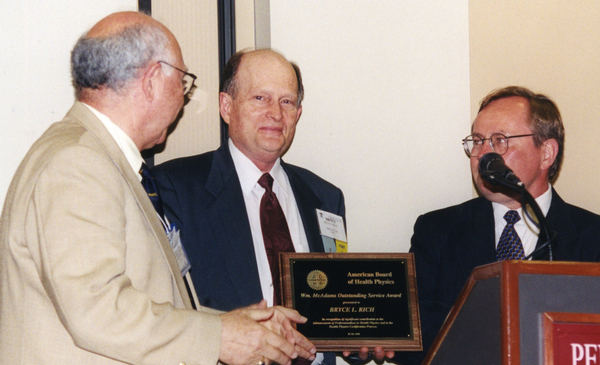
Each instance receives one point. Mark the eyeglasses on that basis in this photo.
(498, 143)
(188, 79)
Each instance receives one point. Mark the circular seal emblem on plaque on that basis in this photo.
(317, 279)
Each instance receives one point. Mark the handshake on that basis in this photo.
(260, 335)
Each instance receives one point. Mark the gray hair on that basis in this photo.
(115, 60)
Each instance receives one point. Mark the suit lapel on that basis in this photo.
(560, 222)
(307, 202)
(229, 220)
(92, 124)
(475, 240)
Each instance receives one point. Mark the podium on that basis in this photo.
(505, 311)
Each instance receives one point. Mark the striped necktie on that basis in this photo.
(150, 187)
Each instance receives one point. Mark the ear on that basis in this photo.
(150, 79)
(550, 150)
(298, 113)
(225, 101)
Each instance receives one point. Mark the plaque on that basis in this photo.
(353, 300)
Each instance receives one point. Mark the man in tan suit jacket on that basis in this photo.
(87, 274)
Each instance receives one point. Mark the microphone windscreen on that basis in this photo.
(486, 160)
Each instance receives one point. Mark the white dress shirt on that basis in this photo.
(248, 175)
(525, 228)
(125, 143)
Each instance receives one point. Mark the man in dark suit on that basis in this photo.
(526, 129)
(215, 198)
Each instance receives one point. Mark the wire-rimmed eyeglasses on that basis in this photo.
(188, 79)
(498, 143)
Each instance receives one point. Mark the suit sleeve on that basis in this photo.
(432, 315)
(80, 210)
(342, 207)
(424, 242)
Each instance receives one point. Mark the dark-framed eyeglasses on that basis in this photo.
(187, 81)
(498, 142)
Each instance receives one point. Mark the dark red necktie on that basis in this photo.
(276, 233)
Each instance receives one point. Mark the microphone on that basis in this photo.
(493, 170)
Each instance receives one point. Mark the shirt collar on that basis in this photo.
(249, 174)
(125, 143)
(543, 202)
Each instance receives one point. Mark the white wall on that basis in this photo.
(387, 104)
(195, 25)
(387, 92)
(35, 82)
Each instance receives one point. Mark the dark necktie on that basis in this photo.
(150, 187)
(510, 246)
(276, 233)
(154, 195)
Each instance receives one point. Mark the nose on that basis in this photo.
(275, 111)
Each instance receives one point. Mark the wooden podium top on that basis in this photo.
(507, 273)
(511, 268)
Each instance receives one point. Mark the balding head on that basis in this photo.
(231, 78)
(114, 23)
(262, 106)
(115, 49)
(126, 67)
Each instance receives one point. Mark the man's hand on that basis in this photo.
(281, 323)
(378, 354)
(256, 333)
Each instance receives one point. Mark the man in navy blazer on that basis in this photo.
(526, 129)
(204, 198)
(214, 198)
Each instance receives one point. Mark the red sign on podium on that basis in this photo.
(571, 338)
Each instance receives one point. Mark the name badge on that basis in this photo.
(180, 254)
(333, 232)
